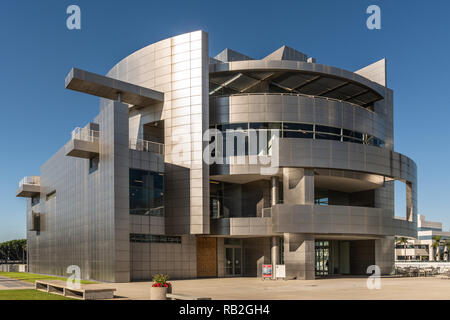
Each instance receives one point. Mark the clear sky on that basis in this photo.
(37, 51)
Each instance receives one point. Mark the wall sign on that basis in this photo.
(266, 271)
(280, 271)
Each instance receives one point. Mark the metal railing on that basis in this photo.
(147, 146)
(85, 134)
(34, 180)
(267, 212)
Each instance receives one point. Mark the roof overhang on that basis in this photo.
(109, 88)
(28, 190)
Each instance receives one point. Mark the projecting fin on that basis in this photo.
(375, 72)
(229, 55)
(286, 53)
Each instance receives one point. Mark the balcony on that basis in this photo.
(29, 187)
(146, 146)
(84, 143)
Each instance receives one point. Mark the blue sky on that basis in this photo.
(37, 51)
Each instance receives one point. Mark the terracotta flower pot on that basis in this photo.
(158, 293)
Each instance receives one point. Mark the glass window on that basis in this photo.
(321, 201)
(353, 134)
(35, 200)
(298, 134)
(327, 129)
(265, 125)
(93, 164)
(232, 241)
(298, 126)
(146, 193)
(351, 140)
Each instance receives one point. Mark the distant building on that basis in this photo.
(419, 249)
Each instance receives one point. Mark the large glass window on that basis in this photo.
(255, 138)
(146, 193)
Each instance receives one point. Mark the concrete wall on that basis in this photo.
(178, 67)
(256, 252)
(299, 256)
(88, 210)
(179, 261)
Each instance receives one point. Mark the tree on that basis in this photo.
(13, 250)
(436, 245)
(402, 241)
(446, 243)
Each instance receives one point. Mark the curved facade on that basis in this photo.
(302, 174)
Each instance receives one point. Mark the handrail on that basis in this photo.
(85, 134)
(33, 180)
(147, 146)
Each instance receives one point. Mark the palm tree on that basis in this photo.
(436, 244)
(402, 241)
(446, 246)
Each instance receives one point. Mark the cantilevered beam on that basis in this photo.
(109, 88)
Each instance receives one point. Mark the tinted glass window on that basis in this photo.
(146, 193)
(298, 134)
(265, 125)
(298, 126)
(328, 129)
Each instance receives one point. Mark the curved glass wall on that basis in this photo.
(263, 133)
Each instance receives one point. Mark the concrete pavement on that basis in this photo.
(338, 288)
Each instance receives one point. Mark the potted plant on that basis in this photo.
(160, 287)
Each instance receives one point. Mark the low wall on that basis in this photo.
(421, 264)
(13, 268)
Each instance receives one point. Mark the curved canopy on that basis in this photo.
(289, 81)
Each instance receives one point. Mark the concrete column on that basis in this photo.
(113, 179)
(275, 192)
(431, 251)
(385, 254)
(275, 251)
(298, 186)
(299, 256)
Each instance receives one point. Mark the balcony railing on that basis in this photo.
(147, 146)
(33, 180)
(85, 134)
(267, 212)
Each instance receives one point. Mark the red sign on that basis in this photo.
(267, 271)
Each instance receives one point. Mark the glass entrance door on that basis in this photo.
(233, 261)
(322, 250)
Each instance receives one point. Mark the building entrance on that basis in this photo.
(233, 257)
(332, 257)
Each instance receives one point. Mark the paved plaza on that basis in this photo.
(339, 288)
(11, 284)
(348, 288)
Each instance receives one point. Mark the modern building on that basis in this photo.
(419, 249)
(303, 174)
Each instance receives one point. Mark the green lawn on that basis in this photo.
(32, 277)
(29, 294)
